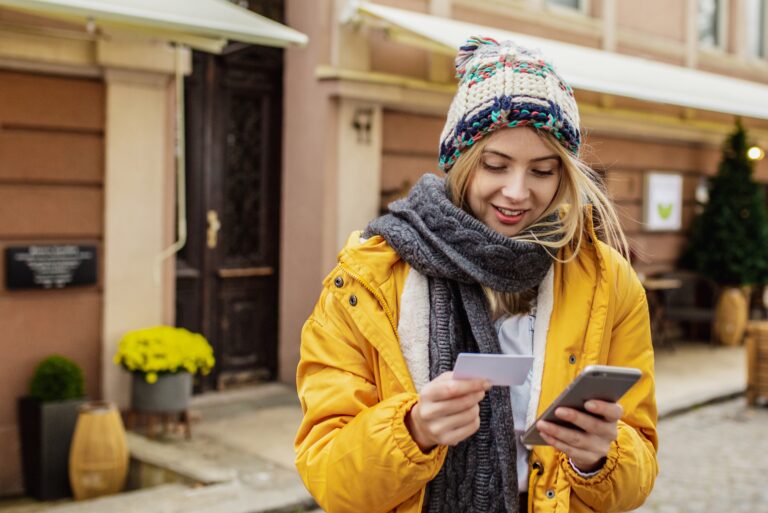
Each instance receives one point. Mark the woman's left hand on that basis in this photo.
(586, 449)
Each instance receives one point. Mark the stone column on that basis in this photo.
(135, 193)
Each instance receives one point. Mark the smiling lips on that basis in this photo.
(507, 216)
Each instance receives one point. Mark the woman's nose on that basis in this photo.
(515, 189)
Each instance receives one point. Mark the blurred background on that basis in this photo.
(199, 164)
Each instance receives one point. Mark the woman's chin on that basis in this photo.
(508, 230)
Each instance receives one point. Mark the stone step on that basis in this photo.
(249, 483)
(189, 465)
(231, 497)
(201, 475)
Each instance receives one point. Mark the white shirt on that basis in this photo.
(516, 337)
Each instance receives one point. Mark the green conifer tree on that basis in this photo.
(729, 239)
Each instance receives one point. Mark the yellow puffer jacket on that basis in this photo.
(353, 449)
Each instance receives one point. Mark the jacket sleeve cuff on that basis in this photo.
(406, 443)
(581, 472)
(578, 478)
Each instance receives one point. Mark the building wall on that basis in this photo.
(413, 87)
(308, 234)
(625, 161)
(51, 192)
(87, 157)
(660, 18)
(409, 149)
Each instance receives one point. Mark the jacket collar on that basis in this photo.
(371, 260)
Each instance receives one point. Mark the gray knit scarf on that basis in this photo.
(459, 254)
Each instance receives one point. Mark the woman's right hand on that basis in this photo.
(447, 411)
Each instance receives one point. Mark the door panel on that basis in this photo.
(245, 314)
(243, 228)
(234, 126)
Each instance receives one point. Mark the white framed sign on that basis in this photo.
(663, 201)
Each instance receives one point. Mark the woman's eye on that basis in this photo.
(543, 172)
(492, 167)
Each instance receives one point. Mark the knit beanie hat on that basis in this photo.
(506, 85)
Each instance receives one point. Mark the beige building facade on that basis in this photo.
(89, 115)
(367, 101)
(87, 150)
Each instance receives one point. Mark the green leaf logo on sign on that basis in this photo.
(665, 210)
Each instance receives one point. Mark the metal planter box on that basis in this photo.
(46, 433)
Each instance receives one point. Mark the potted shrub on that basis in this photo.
(47, 418)
(729, 238)
(163, 360)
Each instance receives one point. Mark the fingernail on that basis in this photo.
(487, 385)
(590, 405)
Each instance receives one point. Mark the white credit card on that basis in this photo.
(500, 369)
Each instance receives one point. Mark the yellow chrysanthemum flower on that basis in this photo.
(164, 349)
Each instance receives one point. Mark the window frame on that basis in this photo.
(749, 54)
(583, 8)
(721, 27)
(764, 28)
(762, 54)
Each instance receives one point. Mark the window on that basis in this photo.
(755, 30)
(571, 4)
(709, 22)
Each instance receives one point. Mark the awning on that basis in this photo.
(203, 21)
(587, 68)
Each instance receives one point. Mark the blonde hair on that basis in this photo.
(580, 187)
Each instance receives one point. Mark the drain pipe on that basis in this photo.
(181, 185)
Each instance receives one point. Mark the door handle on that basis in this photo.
(213, 229)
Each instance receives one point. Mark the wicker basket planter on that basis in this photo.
(98, 458)
(757, 361)
(731, 314)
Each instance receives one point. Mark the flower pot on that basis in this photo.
(98, 459)
(170, 393)
(757, 362)
(45, 430)
(731, 314)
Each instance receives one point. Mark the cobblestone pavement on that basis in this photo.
(713, 459)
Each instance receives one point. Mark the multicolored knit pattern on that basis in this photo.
(505, 85)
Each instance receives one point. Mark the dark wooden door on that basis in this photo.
(227, 275)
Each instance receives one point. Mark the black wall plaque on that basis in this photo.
(49, 267)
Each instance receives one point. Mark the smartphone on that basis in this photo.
(601, 382)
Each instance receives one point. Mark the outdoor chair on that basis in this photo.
(692, 305)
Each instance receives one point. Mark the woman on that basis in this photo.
(502, 256)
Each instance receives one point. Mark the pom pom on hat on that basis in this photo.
(502, 84)
(468, 50)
